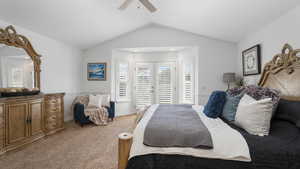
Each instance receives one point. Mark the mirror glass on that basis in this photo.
(16, 68)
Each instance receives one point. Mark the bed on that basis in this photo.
(279, 150)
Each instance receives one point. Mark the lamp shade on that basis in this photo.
(228, 77)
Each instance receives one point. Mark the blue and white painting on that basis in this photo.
(96, 71)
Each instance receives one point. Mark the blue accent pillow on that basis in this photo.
(215, 104)
(230, 107)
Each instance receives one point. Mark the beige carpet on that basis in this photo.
(90, 147)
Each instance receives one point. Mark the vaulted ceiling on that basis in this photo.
(84, 23)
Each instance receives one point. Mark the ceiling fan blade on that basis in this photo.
(125, 4)
(148, 5)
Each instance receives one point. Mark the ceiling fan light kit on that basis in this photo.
(146, 3)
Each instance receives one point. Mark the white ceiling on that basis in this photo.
(153, 49)
(84, 23)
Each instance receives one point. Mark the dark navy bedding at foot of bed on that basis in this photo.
(279, 150)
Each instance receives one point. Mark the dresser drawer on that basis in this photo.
(54, 100)
(53, 104)
(1, 116)
(51, 122)
(51, 108)
(2, 125)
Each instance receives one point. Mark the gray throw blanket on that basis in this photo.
(177, 126)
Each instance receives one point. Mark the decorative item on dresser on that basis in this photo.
(26, 114)
(21, 47)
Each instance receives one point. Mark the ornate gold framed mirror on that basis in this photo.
(19, 63)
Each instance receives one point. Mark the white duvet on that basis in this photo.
(228, 143)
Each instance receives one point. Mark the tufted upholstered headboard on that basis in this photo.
(283, 73)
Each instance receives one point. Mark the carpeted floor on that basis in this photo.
(90, 147)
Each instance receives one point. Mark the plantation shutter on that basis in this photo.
(165, 86)
(123, 81)
(188, 85)
(144, 85)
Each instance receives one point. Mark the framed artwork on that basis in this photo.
(96, 71)
(251, 61)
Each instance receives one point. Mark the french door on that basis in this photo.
(155, 83)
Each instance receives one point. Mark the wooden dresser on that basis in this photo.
(26, 119)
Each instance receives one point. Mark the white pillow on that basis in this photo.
(254, 116)
(105, 100)
(95, 101)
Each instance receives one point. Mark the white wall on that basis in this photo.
(272, 38)
(215, 56)
(61, 65)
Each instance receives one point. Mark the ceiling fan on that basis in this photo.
(146, 3)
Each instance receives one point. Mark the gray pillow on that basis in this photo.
(289, 110)
(230, 107)
(254, 116)
(258, 93)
